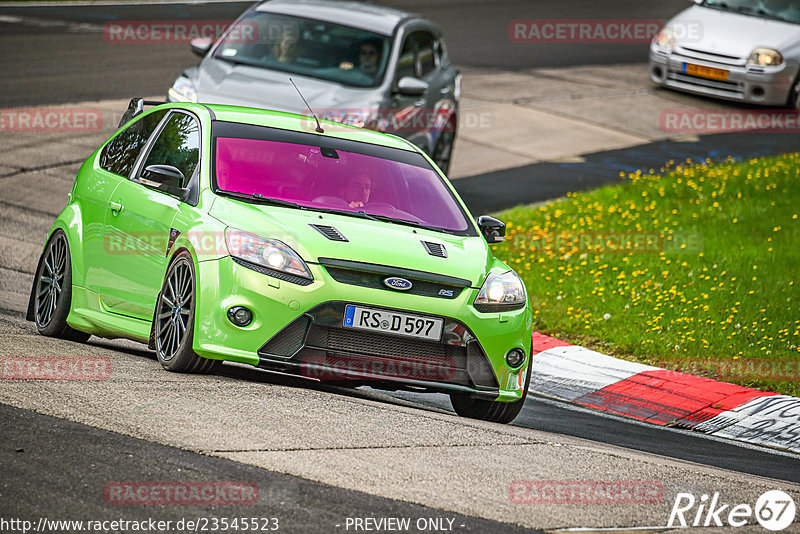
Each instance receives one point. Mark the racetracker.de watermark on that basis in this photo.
(332, 368)
(51, 119)
(55, 368)
(180, 493)
(609, 242)
(127, 32)
(583, 31)
(586, 492)
(404, 120)
(698, 121)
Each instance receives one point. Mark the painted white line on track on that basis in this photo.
(46, 23)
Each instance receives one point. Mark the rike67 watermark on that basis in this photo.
(774, 510)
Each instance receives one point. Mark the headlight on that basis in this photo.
(766, 57)
(268, 253)
(183, 90)
(501, 292)
(665, 39)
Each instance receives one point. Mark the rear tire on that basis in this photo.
(173, 324)
(492, 411)
(52, 291)
(443, 150)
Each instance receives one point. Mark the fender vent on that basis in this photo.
(329, 231)
(435, 249)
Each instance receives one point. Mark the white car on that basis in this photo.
(740, 50)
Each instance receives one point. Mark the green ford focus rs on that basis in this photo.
(335, 253)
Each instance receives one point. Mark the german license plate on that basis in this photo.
(389, 322)
(705, 72)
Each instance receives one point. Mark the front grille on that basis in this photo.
(375, 344)
(736, 88)
(288, 341)
(318, 340)
(375, 281)
(478, 366)
(701, 54)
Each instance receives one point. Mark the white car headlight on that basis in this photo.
(501, 291)
(765, 57)
(665, 39)
(183, 90)
(268, 253)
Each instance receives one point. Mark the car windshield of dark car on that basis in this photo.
(342, 180)
(785, 10)
(324, 50)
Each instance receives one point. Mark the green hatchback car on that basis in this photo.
(323, 250)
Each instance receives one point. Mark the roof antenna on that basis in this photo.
(318, 129)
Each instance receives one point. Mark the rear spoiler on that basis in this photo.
(136, 107)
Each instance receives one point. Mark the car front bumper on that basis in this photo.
(766, 86)
(298, 329)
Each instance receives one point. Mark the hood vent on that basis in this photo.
(435, 249)
(329, 231)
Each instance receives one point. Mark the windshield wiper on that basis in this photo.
(415, 224)
(761, 13)
(261, 199)
(359, 214)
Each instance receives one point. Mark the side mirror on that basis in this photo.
(166, 178)
(493, 231)
(200, 46)
(135, 107)
(410, 86)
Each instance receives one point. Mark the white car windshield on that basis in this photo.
(785, 10)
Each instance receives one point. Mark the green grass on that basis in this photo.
(714, 292)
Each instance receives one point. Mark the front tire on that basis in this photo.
(173, 325)
(794, 95)
(52, 291)
(492, 411)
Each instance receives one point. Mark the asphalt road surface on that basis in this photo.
(54, 55)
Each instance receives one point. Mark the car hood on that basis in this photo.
(731, 34)
(374, 242)
(222, 82)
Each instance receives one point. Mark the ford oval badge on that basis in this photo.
(395, 282)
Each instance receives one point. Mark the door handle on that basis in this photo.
(116, 207)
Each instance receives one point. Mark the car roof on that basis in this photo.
(297, 123)
(369, 17)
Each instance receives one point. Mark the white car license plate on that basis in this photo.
(401, 324)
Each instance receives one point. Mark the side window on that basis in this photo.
(177, 145)
(406, 63)
(426, 62)
(120, 154)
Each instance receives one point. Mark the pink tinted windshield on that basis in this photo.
(347, 181)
